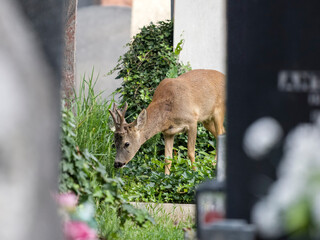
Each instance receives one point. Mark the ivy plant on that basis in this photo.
(149, 60)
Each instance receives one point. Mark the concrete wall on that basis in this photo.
(202, 24)
(146, 11)
(102, 32)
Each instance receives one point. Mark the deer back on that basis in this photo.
(195, 94)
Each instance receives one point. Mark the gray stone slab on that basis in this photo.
(29, 133)
(101, 35)
(177, 212)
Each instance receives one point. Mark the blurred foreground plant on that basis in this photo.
(78, 220)
(292, 207)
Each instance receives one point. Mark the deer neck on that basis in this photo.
(155, 122)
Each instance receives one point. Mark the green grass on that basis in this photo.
(92, 129)
(164, 228)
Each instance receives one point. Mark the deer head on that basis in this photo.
(127, 136)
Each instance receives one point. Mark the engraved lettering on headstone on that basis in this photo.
(284, 82)
(299, 81)
(302, 82)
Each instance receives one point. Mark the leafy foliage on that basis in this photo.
(80, 171)
(73, 161)
(145, 180)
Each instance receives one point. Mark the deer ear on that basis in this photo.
(142, 119)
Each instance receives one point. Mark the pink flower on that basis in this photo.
(75, 230)
(67, 200)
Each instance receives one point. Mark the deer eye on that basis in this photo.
(126, 144)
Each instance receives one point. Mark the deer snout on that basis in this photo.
(119, 164)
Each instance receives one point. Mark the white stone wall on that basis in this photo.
(202, 24)
(146, 11)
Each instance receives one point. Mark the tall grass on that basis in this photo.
(93, 121)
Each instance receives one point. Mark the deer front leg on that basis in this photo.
(192, 136)
(168, 141)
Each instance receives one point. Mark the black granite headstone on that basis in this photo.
(273, 73)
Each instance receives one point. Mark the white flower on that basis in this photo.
(267, 218)
(261, 136)
(298, 179)
(286, 191)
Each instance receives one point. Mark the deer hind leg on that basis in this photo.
(218, 124)
(168, 141)
(192, 137)
(210, 126)
(218, 121)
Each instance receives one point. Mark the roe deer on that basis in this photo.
(178, 104)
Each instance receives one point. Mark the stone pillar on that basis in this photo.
(30, 51)
(69, 50)
(202, 24)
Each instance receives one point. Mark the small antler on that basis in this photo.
(119, 117)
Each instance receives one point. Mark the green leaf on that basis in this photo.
(298, 217)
